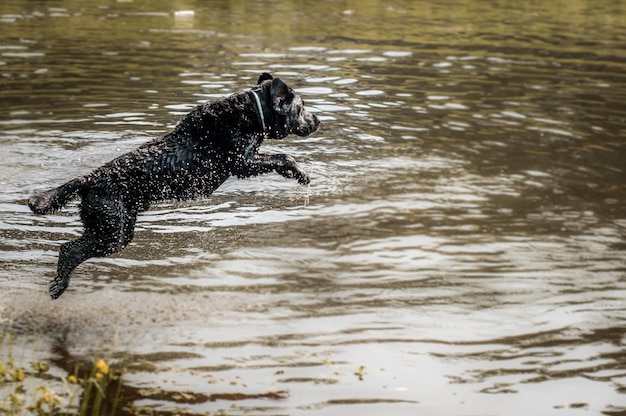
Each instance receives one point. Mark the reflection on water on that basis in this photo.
(460, 249)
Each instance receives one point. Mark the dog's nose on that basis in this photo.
(316, 122)
(309, 125)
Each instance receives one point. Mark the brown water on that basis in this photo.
(462, 238)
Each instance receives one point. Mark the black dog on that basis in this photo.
(213, 142)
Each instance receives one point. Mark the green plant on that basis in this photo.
(12, 384)
(100, 386)
(95, 389)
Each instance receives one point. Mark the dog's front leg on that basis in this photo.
(287, 166)
(283, 164)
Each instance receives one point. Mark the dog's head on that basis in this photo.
(284, 109)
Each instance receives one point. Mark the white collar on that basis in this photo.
(258, 104)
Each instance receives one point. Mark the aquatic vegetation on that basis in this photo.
(32, 390)
(16, 399)
(97, 389)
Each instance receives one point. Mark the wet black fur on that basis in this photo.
(213, 142)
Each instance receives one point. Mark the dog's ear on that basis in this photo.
(264, 77)
(280, 92)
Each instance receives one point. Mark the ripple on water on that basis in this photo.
(315, 90)
(369, 92)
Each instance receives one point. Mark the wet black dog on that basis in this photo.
(211, 143)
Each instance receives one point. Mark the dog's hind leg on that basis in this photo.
(71, 255)
(108, 229)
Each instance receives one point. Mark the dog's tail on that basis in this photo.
(54, 199)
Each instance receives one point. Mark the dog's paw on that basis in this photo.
(56, 287)
(297, 173)
(302, 177)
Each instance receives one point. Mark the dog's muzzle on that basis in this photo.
(309, 125)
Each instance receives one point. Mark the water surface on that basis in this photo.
(460, 249)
